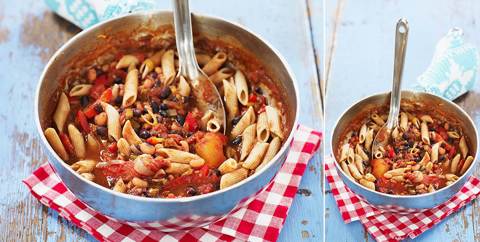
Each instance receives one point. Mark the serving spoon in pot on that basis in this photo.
(384, 134)
(207, 97)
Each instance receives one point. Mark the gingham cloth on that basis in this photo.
(386, 225)
(259, 219)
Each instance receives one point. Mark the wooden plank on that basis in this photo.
(29, 34)
(362, 60)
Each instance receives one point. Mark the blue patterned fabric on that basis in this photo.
(453, 69)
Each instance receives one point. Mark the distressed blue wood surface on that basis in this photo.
(29, 35)
(359, 61)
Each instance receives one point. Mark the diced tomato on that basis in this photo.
(124, 171)
(82, 120)
(452, 152)
(204, 170)
(434, 180)
(252, 98)
(178, 186)
(90, 111)
(390, 186)
(96, 91)
(106, 95)
(391, 152)
(154, 140)
(66, 143)
(74, 100)
(191, 124)
(112, 147)
(442, 132)
(101, 80)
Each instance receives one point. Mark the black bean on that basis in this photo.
(191, 191)
(217, 172)
(101, 131)
(154, 75)
(144, 134)
(84, 101)
(259, 90)
(165, 93)
(118, 100)
(118, 80)
(163, 106)
(137, 113)
(405, 136)
(236, 119)
(237, 140)
(163, 113)
(98, 108)
(155, 107)
(180, 119)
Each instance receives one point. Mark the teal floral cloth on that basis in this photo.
(452, 72)
(453, 69)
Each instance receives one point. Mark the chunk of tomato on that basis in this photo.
(191, 124)
(96, 91)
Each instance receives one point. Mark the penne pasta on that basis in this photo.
(123, 147)
(221, 75)
(403, 121)
(80, 90)
(183, 157)
(359, 151)
(168, 67)
(131, 88)
(354, 171)
(150, 63)
(227, 166)
(248, 141)
(424, 133)
(255, 156)
(129, 134)
(345, 168)
(344, 151)
(202, 59)
(454, 164)
(92, 144)
(453, 135)
(127, 61)
(425, 159)
(231, 178)
(362, 134)
(274, 121)
(350, 155)
(56, 143)
(272, 150)
(359, 163)
(426, 118)
(215, 63)
(395, 133)
(377, 119)
(263, 132)
(247, 119)
(61, 112)
(206, 117)
(177, 168)
(231, 101)
(77, 141)
(435, 147)
(466, 164)
(368, 139)
(113, 121)
(241, 87)
(213, 125)
(463, 147)
(183, 87)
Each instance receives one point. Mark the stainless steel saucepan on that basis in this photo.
(421, 101)
(201, 209)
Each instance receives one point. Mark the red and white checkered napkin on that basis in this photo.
(259, 219)
(384, 224)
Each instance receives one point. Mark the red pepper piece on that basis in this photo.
(191, 123)
(252, 98)
(96, 91)
(82, 120)
(66, 143)
(112, 148)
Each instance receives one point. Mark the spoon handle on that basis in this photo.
(401, 36)
(184, 38)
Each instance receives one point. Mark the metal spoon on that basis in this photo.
(384, 134)
(205, 92)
